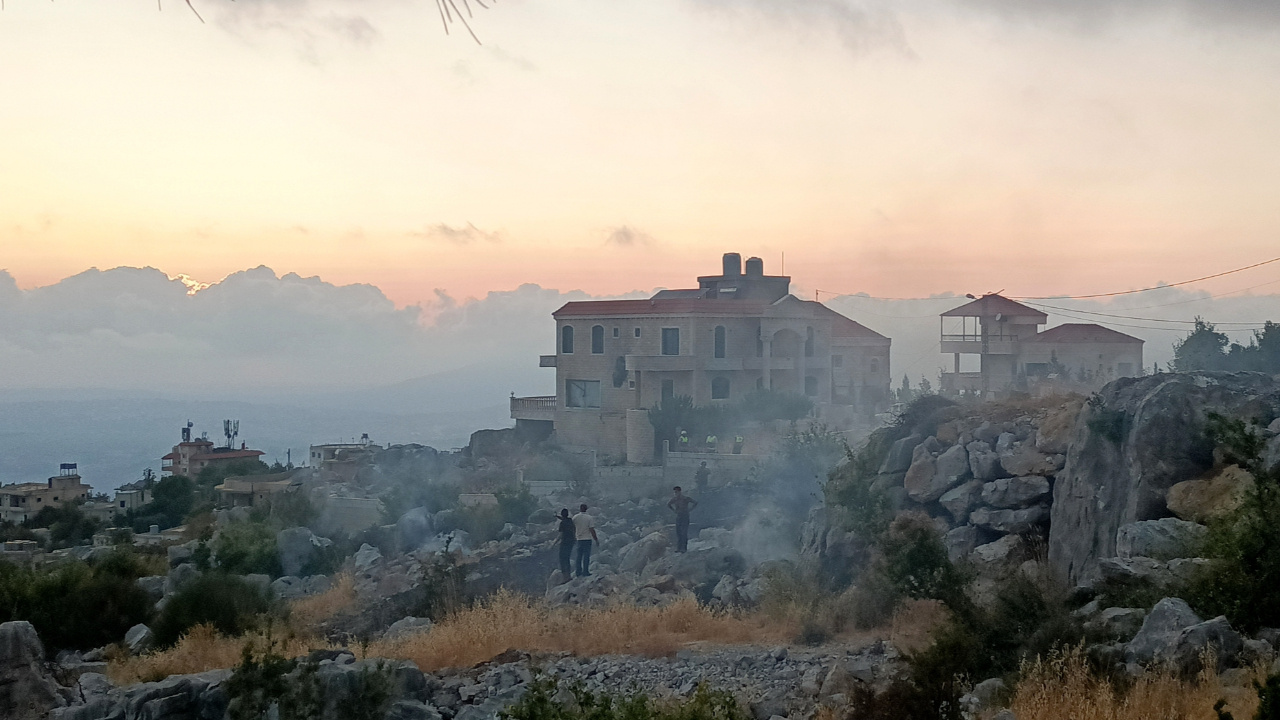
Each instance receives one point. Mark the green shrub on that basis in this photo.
(916, 565)
(228, 603)
(248, 547)
(74, 605)
(1268, 698)
(68, 525)
(542, 702)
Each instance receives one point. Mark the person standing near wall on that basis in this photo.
(702, 476)
(681, 504)
(585, 531)
(568, 538)
(737, 444)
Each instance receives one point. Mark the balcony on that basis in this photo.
(546, 361)
(660, 363)
(978, 344)
(542, 407)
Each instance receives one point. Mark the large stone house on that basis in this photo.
(21, 501)
(735, 333)
(1014, 354)
(192, 455)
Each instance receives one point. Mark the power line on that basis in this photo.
(1158, 287)
(1132, 317)
(1148, 327)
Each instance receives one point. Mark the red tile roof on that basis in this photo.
(1083, 333)
(992, 305)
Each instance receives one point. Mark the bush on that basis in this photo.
(75, 605)
(228, 603)
(248, 547)
(68, 525)
(541, 702)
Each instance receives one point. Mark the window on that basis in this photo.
(631, 384)
(720, 388)
(582, 393)
(811, 385)
(720, 340)
(668, 389)
(670, 341)
(875, 365)
(808, 342)
(615, 332)
(837, 361)
(597, 339)
(759, 383)
(637, 332)
(566, 340)
(121, 503)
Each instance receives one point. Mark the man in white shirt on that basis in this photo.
(585, 531)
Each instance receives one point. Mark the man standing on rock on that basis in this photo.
(568, 538)
(682, 504)
(585, 531)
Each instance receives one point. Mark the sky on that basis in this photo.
(894, 149)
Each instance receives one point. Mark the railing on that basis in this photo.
(533, 404)
(979, 337)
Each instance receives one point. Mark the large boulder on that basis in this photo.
(1025, 459)
(298, 546)
(1162, 539)
(642, 552)
(1160, 630)
(984, 463)
(416, 527)
(1139, 437)
(27, 692)
(949, 469)
(961, 499)
(1010, 521)
(1015, 492)
(1211, 497)
(900, 455)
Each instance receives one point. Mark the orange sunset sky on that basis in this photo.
(898, 149)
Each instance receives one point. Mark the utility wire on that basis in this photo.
(1158, 287)
(1131, 317)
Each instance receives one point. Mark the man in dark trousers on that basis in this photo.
(568, 538)
(682, 504)
(584, 527)
(702, 476)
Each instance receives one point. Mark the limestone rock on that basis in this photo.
(1162, 539)
(1208, 498)
(1191, 644)
(984, 463)
(960, 542)
(1026, 460)
(643, 551)
(1118, 623)
(298, 547)
(949, 469)
(1160, 630)
(1139, 438)
(1015, 492)
(139, 639)
(900, 455)
(366, 556)
(919, 478)
(1010, 521)
(961, 499)
(1000, 557)
(179, 576)
(26, 691)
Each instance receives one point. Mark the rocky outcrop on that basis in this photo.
(1135, 440)
(27, 692)
(298, 547)
(1208, 498)
(1163, 539)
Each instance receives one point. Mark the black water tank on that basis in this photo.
(732, 264)
(755, 267)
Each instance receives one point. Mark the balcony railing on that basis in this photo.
(542, 407)
(979, 337)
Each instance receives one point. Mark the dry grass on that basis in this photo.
(914, 623)
(508, 621)
(306, 614)
(201, 649)
(1062, 688)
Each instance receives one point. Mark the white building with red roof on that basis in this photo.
(192, 455)
(735, 333)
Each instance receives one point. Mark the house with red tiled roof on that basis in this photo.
(735, 333)
(192, 455)
(1013, 354)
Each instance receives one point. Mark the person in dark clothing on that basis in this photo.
(568, 539)
(701, 477)
(682, 504)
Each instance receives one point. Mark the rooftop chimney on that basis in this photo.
(755, 267)
(732, 265)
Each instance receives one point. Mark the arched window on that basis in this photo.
(720, 388)
(808, 342)
(597, 339)
(566, 340)
(721, 334)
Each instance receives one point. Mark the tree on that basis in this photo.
(1200, 350)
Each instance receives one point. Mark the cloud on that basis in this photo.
(626, 236)
(1092, 14)
(860, 27)
(456, 235)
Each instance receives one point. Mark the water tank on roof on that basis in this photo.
(732, 265)
(755, 267)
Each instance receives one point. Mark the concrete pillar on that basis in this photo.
(767, 369)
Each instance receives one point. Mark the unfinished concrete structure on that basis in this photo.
(21, 501)
(736, 332)
(1013, 354)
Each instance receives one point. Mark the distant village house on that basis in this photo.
(21, 501)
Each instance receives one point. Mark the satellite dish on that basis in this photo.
(999, 317)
